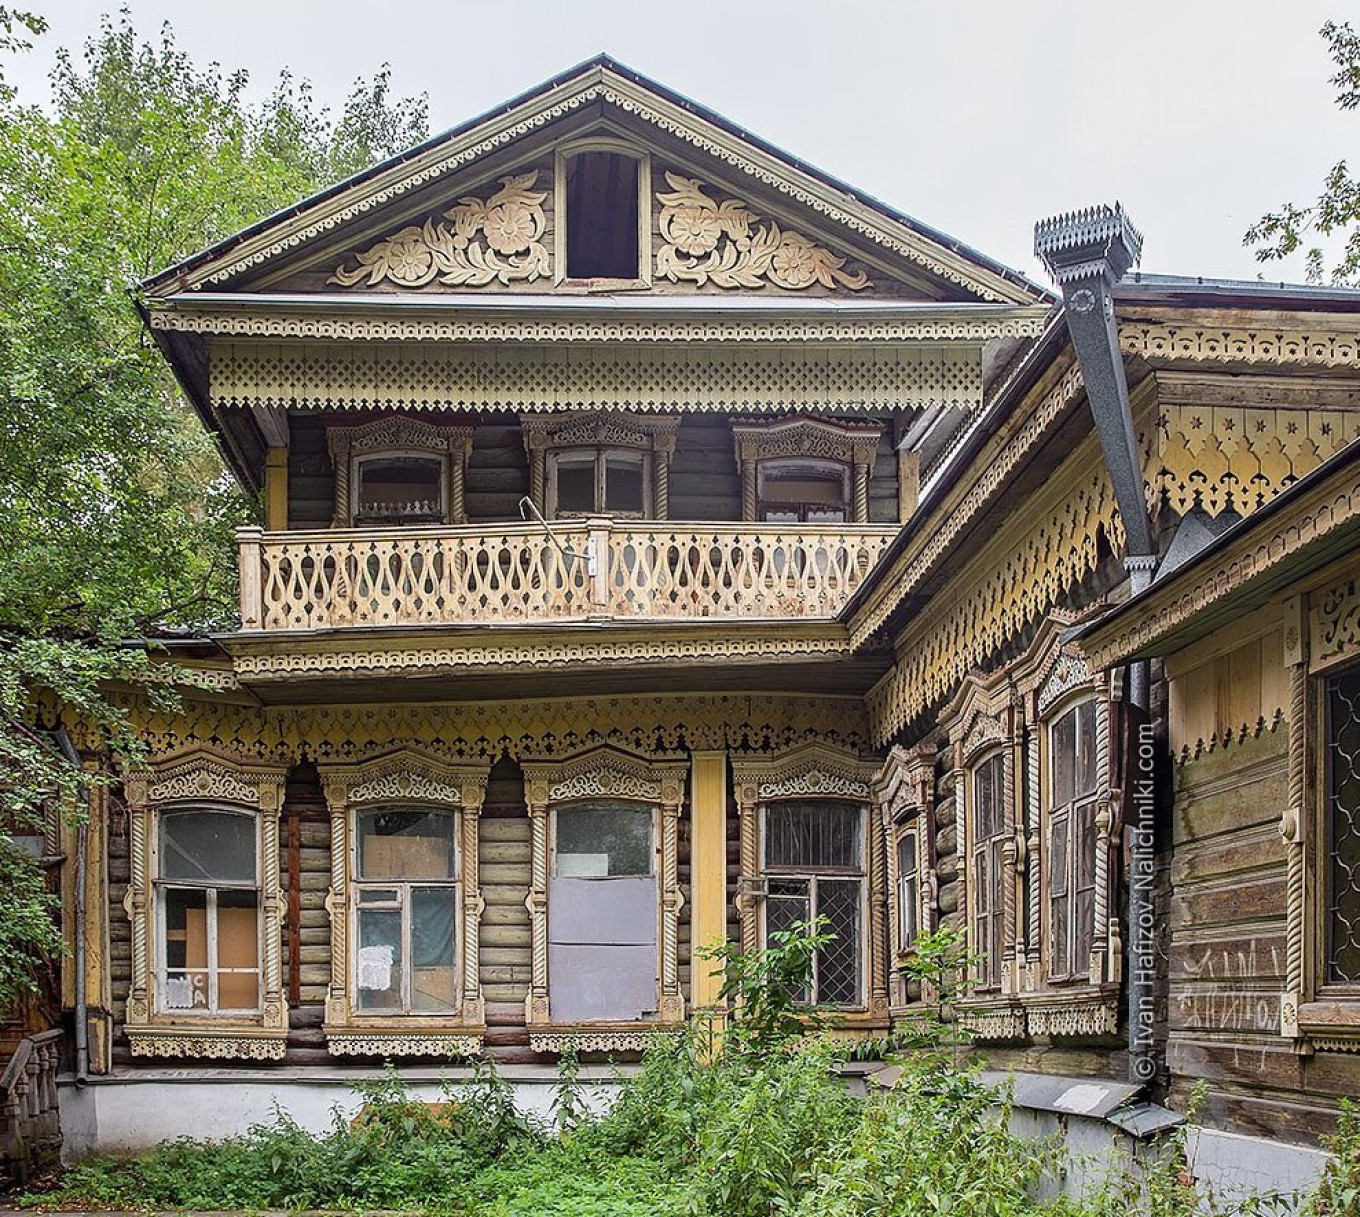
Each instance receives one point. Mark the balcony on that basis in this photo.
(593, 570)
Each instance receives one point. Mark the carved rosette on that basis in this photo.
(707, 241)
(605, 772)
(493, 240)
(202, 776)
(404, 777)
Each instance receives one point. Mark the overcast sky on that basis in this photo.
(977, 118)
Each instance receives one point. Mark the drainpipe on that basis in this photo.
(1087, 252)
(82, 1014)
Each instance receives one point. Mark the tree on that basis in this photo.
(1283, 232)
(116, 514)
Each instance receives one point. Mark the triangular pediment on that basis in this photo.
(484, 209)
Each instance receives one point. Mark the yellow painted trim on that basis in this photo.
(276, 490)
(708, 868)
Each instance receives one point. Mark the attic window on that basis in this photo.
(602, 216)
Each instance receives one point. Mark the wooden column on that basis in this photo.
(337, 903)
(747, 902)
(473, 794)
(276, 490)
(536, 1010)
(748, 489)
(860, 493)
(708, 871)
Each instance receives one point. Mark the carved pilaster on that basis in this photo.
(1106, 819)
(860, 493)
(748, 489)
(672, 1005)
(662, 495)
(271, 903)
(538, 478)
(339, 448)
(1292, 832)
(474, 905)
(137, 898)
(458, 459)
(1033, 838)
(536, 1003)
(337, 903)
(747, 902)
(878, 917)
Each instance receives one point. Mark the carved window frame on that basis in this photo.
(761, 444)
(816, 771)
(561, 219)
(405, 778)
(1321, 640)
(605, 772)
(204, 779)
(904, 791)
(394, 436)
(548, 436)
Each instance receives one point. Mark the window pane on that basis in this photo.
(576, 485)
(433, 981)
(238, 951)
(988, 817)
(406, 843)
(186, 950)
(601, 840)
(602, 216)
(808, 835)
(838, 901)
(208, 846)
(789, 901)
(1058, 893)
(906, 890)
(400, 488)
(378, 963)
(1064, 741)
(622, 485)
(1343, 815)
(1086, 748)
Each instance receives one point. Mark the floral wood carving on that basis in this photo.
(236, 1045)
(719, 243)
(368, 1044)
(485, 241)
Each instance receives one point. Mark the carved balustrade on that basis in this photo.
(30, 1127)
(593, 569)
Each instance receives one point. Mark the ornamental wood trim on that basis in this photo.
(449, 575)
(322, 319)
(550, 105)
(633, 378)
(1273, 340)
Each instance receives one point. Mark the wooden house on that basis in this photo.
(662, 543)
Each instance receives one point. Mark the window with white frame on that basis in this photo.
(988, 868)
(1074, 783)
(406, 911)
(208, 911)
(814, 870)
(908, 889)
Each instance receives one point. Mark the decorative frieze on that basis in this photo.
(345, 1043)
(492, 240)
(596, 1039)
(710, 242)
(227, 1045)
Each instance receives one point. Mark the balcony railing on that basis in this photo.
(590, 570)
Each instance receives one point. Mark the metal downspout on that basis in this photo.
(82, 1014)
(1087, 253)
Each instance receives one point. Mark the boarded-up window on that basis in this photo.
(1072, 841)
(989, 828)
(1342, 911)
(814, 866)
(208, 912)
(406, 896)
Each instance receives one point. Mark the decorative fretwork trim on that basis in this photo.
(997, 1021)
(191, 316)
(238, 1045)
(598, 428)
(543, 110)
(1079, 1012)
(646, 379)
(364, 1043)
(587, 1039)
(1204, 342)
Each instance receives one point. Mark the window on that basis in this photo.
(604, 840)
(803, 492)
(399, 470)
(989, 835)
(1341, 901)
(1074, 783)
(399, 489)
(406, 906)
(814, 867)
(586, 481)
(908, 891)
(207, 893)
(603, 236)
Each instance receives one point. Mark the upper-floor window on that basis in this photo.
(1074, 786)
(988, 868)
(1341, 814)
(585, 480)
(814, 871)
(207, 904)
(399, 488)
(399, 470)
(803, 492)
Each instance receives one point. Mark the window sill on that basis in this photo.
(406, 1037)
(600, 1037)
(1330, 1024)
(208, 1040)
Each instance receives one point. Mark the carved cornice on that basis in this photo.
(605, 772)
(824, 643)
(1206, 584)
(495, 240)
(590, 1039)
(906, 783)
(998, 1019)
(366, 1043)
(710, 242)
(203, 775)
(207, 1045)
(315, 324)
(846, 443)
(809, 771)
(598, 428)
(550, 106)
(1201, 341)
(1080, 1012)
(544, 379)
(397, 433)
(405, 776)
